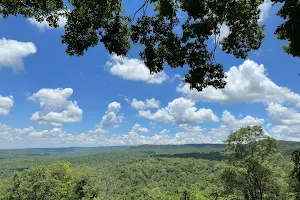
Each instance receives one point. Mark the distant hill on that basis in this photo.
(287, 148)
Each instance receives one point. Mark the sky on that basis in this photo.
(50, 99)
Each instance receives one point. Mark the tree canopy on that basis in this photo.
(296, 173)
(165, 36)
(252, 170)
(57, 181)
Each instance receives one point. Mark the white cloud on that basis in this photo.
(285, 129)
(246, 83)
(31, 132)
(30, 137)
(138, 128)
(45, 25)
(57, 109)
(152, 103)
(6, 103)
(110, 119)
(24, 131)
(230, 121)
(231, 124)
(99, 130)
(141, 105)
(134, 69)
(193, 135)
(160, 115)
(164, 132)
(181, 111)
(5, 130)
(176, 76)
(285, 132)
(136, 139)
(281, 115)
(287, 122)
(264, 10)
(48, 123)
(191, 138)
(194, 129)
(56, 132)
(12, 53)
(224, 32)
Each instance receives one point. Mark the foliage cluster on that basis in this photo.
(165, 36)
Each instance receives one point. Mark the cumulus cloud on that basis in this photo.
(192, 135)
(188, 128)
(5, 130)
(285, 132)
(31, 132)
(134, 69)
(286, 120)
(12, 53)
(230, 124)
(246, 83)
(99, 130)
(281, 115)
(57, 109)
(141, 105)
(264, 10)
(136, 139)
(231, 121)
(6, 103)
(180, 111)
(164, 132)
(110, 119)
(30, 137)
(138, 128)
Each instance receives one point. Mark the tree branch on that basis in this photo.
(145, 4)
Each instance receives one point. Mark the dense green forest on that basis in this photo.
(250, 166)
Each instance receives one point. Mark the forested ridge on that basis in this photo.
(250, 166)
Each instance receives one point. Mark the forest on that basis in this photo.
(250, 165)
(166, 35)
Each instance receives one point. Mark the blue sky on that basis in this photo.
(49, 99)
